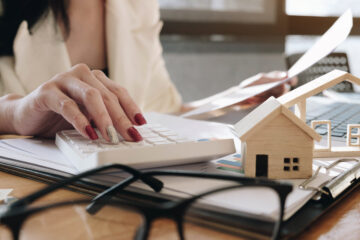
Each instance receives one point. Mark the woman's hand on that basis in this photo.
(263, 78)
(74, 99)
(258, 79)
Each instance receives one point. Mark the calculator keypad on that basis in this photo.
(153, 134)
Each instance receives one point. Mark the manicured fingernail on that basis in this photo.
(91, 132)
(134, 134)
(111, 132)
(139, 119)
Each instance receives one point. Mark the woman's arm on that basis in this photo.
(7, 110)
(72, 100)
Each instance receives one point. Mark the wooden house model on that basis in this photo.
(276, 143)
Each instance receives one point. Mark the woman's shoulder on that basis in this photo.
(146, 12)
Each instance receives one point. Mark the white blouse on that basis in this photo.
(133, 49)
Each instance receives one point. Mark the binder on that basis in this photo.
(328, 196)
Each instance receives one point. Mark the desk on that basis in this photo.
(342, 222)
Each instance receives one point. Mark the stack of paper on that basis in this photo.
(43, 155)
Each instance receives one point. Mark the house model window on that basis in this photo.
(291, 164)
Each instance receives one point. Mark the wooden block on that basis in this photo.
(351, 135)
(300, 110)
(328, 123)
(338, 152)
(316, 86)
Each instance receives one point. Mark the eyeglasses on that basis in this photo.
(109, 216)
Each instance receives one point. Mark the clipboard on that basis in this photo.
(328, 196)
(337, 185)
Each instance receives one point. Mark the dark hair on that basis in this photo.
(16, 11)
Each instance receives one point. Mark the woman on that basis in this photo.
(53, 54)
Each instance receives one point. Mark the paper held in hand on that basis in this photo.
(324, 46)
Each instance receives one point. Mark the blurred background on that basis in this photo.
(210, 45)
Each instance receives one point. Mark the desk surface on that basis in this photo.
(342, 222)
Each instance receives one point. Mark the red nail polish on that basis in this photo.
(91, 132)
(139, 119)
(134, 134)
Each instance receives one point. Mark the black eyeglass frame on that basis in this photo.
(21, 205)
(17, 213)
(282, 189)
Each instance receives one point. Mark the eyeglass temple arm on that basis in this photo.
(107, 194)
(183, 173)
(149, 180)
(100, 200)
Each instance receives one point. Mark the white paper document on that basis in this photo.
(324, 46)
(41, 155)
(4, 193)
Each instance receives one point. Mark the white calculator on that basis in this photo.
(160, 147)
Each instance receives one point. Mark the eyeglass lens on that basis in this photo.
(73, 222)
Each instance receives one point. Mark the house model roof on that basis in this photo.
(316, 86)
(264, 114)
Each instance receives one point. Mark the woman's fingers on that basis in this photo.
(78, 89)
(58, 102)
(274, 76)
(91, 98)
(127, 103)
(120, 118)
(111, 102)
(293, 82)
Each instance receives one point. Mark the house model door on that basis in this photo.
(262, 165)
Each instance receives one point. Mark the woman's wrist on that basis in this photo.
(8, 105)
